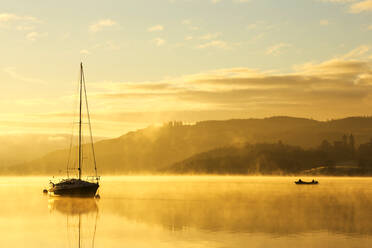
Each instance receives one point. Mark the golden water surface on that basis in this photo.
(166, 211)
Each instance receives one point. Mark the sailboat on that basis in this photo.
(72, 186)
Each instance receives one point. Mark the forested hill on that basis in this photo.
(153, 148)
(251, 159)
(280, 159)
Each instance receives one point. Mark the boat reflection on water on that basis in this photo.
(73, 205)
(81, 219)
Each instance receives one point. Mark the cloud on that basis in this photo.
(235, 1)
(112, 46)
(158, 41)
(18, 22)
(344, 84)
(25, 28)
(210, 36)
(214, 44)
(332, 88)
(355, 6)
(11, 71)
(108, 45)
(188, 23)
(155, 28)
(101, 24)
(261, 26)
(252, 26)
(324, 22)
(362, 6)
(33, 36)
(338, 1)
(277, 49)
(9, 17)
(357, 53)
(84, 51)
(336, 69)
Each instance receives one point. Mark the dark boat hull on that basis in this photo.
(78, 188)
(307, 183)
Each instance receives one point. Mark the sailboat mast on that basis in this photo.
(79, 230)
(81, 91)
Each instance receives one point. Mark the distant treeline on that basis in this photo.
(339, 158)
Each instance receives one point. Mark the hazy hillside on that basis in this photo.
(20, 148)
(158, 147)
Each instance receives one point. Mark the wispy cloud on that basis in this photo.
(84, 51)
(18, 22)
(210, 36)
(355, 6)
(357, 53)
(277, 49)
(188, 23)
(112, 46)
(362, 6)
(234, 1)
(10, 17)
(155, 28)
(108, 45)
(261, 25)
(338, 1)
(101, 24)
(33, 36)
(158, 41)
(25, 27)
(324, 22)
(11, 71)
(261, 29)
(214, 44)
(104, 46)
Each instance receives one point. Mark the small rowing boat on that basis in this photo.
(303, 182)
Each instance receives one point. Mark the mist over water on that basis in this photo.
(198, 211)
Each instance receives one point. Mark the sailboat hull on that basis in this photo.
(73, 187)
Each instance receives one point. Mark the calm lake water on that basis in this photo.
(165, 211)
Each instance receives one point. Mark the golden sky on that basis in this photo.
(148, 62)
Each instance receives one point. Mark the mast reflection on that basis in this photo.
(81, 219)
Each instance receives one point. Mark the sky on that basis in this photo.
(149, 62)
